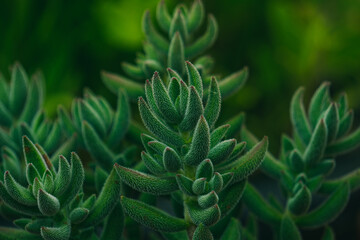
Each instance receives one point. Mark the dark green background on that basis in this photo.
(285, 44)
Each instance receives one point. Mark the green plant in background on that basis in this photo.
(189, 154)
(178, 41)
(193, 165)
(52, 205)
(99, 126)
(21, 109)
(304, 166)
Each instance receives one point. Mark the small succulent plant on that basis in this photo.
(177, 40)
(304, 166)
(201, 166)
(53, 204)
(21, 109)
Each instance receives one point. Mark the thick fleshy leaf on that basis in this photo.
(56, 233)
(34, 99)
(65, 120)
(149, 93)
(185, 184)
(18, 89)
(32, 155)
(298, 116)
(48, 204)
(216, 183)
(18, 207)
(174, 92)
(4, 90)
(328, 211)
(76, 180)
(158, 41)
(205, 170)
(208, 200)
(194, 109)
(53, 139)
(157, 146)
(208, 216)
(353, 178)
(102, 154)
(222, 151)
(133, 71)
(231, 84)
(176, 55)
(22, 222)
(35, 225)
(18, 192)
(200, 144)
(218, 134)
(202, 233)
(323, 168)
(114, 82)
(317, 103)
(194, 78)
(301, 201)
(345, 124)
(171, 160)
(163, 100)
(150, 66)
(184, 96)
(205, 41)
(296, 161)
(152, 217)
(106, 201)
(195, 16)
(146, 183)
(248, 163)
(344, 144)
(31, 173)
(89, 114)
(213, 104)
(152, 164)
(114, 224)
(121, 120)
(178, 24)
(199, 186)
(230, 197)
(163, 17)
(62, 178)
(232, 231)
(154, 125)
(78, 215)
(331, 118)
(6, 117)
(288, 229)
(317, 144)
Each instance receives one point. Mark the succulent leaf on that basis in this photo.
(151, 216)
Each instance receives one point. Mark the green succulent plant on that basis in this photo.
(52, 205)
(304, 165)
(188, 157)
(21, 110)
(177, 40)
(100, 127)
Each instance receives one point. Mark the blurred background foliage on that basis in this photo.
(285, 44)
